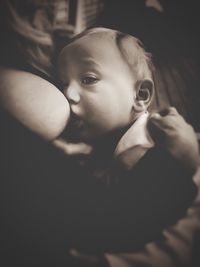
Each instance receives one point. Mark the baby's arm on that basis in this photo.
(172, 132)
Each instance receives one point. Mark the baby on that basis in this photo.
(107, 78)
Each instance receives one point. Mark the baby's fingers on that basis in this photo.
(72, 149)
(158, 121)
(166, 119)
(168, 111)
(155, 128)
(164, 113)
(162, 124)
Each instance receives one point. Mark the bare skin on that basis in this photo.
(39, 106)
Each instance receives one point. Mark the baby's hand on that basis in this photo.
(170, 130)
(72, 149)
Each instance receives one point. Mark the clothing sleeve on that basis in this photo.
(178, 247)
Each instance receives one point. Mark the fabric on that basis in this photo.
(49, 205)
(125, 216)
(134, 143)
(180, 248)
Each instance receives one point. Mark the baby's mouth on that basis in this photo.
(75, 122)
(73, 129)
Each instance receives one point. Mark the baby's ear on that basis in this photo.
(144, 95)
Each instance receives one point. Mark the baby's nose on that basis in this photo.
(72, 95)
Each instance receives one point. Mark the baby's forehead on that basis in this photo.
(98, 48)
(93, 43)
(103, 41)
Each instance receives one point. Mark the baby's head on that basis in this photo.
(106, 77)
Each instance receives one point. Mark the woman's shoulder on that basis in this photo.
(34, 102)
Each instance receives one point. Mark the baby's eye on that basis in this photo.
(88, 80)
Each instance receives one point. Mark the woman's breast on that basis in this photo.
(34, 102)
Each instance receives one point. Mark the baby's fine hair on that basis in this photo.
(131, 49)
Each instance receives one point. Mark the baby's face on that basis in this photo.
(98, 85)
